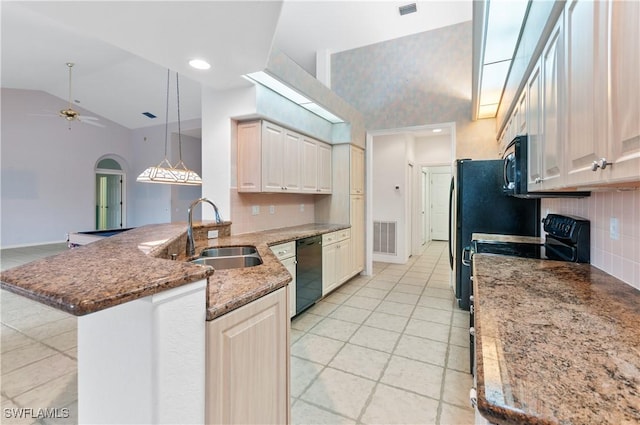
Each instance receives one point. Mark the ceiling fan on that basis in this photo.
(71, 114)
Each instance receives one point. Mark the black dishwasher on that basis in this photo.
(308, 272)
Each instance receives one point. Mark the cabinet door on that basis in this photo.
(357, 171)
(343, 261)
(290, 264)
(248, 362)
(324, 168)
(586, 59)
(357, 234)
(552, 107)
(309, 165)
(249, 158)
(624, 69)
(534, 145)
(272, 158)
(329, 275)
(291, 161)
(522, 113)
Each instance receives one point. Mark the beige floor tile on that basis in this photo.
(360, 361)
(322, 308)
(303, 413)
(439, 283)
(439, 303)
(459, 336)
(350, 314)
(55, 394)
(12, 415)
(430, 330)
(373, 292)
(384, 278)
(407, 289)
(63, 342)
(456, 387)
(419, 273)
(460, 319)
(414, 376)
(378, 339)
(302, 373)
(390, 271)
(53, 328)
(305, 321)
(71, 419)
(386, 321)
(348, 289)
(73, 353)
(336, 297)
(425, 350)
(12, 339)
(365, 303)
(394, 406)
(454, 415)
(438, 293)
(416, 281)
(335, 329)
(398, 309)
(400, 297)
(316, 348)
(22, 356)
(25, 378)
(340, 392)
(458, 358)
(432, 315)
(385, 285)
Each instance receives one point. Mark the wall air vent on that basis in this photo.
(406, 9)
(384, 237)
(149, 115)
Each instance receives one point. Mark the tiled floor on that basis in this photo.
(382, 349)
(385, 349)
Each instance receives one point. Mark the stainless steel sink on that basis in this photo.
(229, 262)
(227, 251)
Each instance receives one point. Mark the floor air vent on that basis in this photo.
(384, 237)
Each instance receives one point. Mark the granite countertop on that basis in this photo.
(498, 238)
(233, 288)
(556, 343)
(136, 264)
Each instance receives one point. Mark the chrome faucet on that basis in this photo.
(191, 247)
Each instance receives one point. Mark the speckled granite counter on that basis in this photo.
(136, 264)
(556, 343)
(230, 289)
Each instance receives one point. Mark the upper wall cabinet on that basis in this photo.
(357, 171)
(272, 158)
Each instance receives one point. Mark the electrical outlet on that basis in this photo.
(255, 210)
(272, 209)
(301, 207)
(614, 229)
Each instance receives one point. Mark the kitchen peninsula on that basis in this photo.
(556, 343)
(142, 318)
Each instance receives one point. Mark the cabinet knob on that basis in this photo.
(538, 180)
(602, 163)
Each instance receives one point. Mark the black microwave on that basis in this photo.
(515, 160)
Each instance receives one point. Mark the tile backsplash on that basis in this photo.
(274, 210)
(618, 255)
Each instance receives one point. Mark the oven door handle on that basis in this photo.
(466, 259)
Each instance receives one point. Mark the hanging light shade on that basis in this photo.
(164, 172)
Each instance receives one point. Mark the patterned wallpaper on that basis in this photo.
(416, 80)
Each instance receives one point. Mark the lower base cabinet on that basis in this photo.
(336, 259)
(247, 363)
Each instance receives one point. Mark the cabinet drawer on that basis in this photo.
(333, 237)
(284, 250)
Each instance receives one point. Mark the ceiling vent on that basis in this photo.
(406, 9)
(149, 115)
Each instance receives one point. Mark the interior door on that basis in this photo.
(109, 201)
(439, 213)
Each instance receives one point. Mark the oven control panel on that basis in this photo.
(564, 226)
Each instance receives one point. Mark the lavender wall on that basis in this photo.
(48, 171)
(416, 80)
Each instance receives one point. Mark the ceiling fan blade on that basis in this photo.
(87, 120)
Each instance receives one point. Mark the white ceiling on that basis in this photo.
(122, 50)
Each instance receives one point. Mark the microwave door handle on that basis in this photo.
(451, 213)
(505, 170)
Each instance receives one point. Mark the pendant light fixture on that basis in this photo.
(164, 172)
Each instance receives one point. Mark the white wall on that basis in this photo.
(433, 150)
(48, 170)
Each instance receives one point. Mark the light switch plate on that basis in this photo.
(255, 210)
(614, 229)
(272, 209)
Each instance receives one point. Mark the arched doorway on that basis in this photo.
(110, 194)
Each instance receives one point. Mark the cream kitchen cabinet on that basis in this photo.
(357, 234)
(247, 363)
(280, 159)
(534, 129)
(316, 166)
(357, 171)
(336, 259)
(286, 253)
(272, 158)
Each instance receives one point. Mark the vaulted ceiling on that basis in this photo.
(122, 50)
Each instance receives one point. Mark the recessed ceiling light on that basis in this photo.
(437, 130)
(199, 64)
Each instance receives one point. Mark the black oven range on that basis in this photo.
(567, 238)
